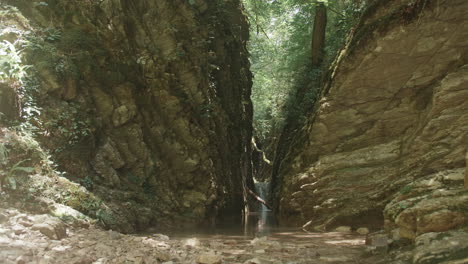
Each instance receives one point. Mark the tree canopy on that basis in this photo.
(280, 49)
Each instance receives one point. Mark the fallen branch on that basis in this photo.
(258, 198)
(254, 144)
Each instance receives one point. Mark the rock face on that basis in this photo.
(446, 247)
(435, 203)
(146, 101)
(466, 171)
(395, 110)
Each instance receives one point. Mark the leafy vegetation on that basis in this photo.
(280, 57)
(11, 67)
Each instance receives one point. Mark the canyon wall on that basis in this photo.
(146, 103)
(394, 110)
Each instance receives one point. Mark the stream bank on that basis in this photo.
(43, 239)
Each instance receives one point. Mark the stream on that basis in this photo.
(262, 241)
(43, 239)
(259, 239)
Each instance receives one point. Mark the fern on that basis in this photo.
(10, 176)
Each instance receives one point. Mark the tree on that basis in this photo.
(318, 34)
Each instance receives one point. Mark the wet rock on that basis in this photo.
(209, 259)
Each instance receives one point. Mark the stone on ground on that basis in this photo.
(209, 259)
(363, 230)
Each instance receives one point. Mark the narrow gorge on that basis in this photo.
(124, 121)
(132, 100)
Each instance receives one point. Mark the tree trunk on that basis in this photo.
(318, 34)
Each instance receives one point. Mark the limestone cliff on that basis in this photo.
(147, 103)
(394, 110)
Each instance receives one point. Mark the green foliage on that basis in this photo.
(285, 85)
(68, 124)
(77, 40)
(3, 154)
(106, 217)
(42, 46)
(11, 66)
(40, 4)
(87, 182)
(9, 175)
(205, 110)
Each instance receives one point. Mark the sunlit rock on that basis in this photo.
(209, 259)
(363, 230)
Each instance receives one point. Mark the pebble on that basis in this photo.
(344, 229)
(362, 231)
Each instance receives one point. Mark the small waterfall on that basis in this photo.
(263, 190)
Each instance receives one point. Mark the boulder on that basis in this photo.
(442, 248)
(362, 231)
(49, 226)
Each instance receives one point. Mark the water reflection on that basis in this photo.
(260, 224)
(256, 224)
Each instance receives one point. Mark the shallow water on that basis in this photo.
(260, 237)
